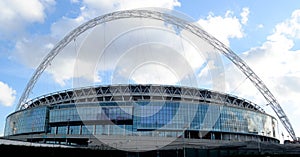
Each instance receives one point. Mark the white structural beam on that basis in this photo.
(168, 18)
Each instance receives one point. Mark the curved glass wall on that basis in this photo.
(27, 121)
(169, 118)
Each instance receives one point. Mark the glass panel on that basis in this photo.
(74, 130)
(62, 130)
(30, 120)
(93, 112)
(87, 129)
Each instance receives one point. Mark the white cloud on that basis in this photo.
(74, 1)
(244, 15)
(276, 62)
(156, 73)
(290, 28)
(137, 51)
(7, 95)
(260, 26)
(94, 7)
(15, 14)
(31, 49)
(224, 28)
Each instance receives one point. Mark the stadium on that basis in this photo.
(138, 117)
(73, 115)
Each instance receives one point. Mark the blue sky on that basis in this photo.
(266, 34)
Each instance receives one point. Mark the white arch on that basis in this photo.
(150, 14)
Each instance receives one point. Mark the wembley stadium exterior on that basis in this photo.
(145, 116)
(77, 116)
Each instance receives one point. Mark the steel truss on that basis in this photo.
(150, 14)
(125, 93)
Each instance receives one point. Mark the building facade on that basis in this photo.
(73, 116)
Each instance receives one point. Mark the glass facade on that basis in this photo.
(32, 120)
(95, 112)
(208, 117)
(143, 111)
(140, 118)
